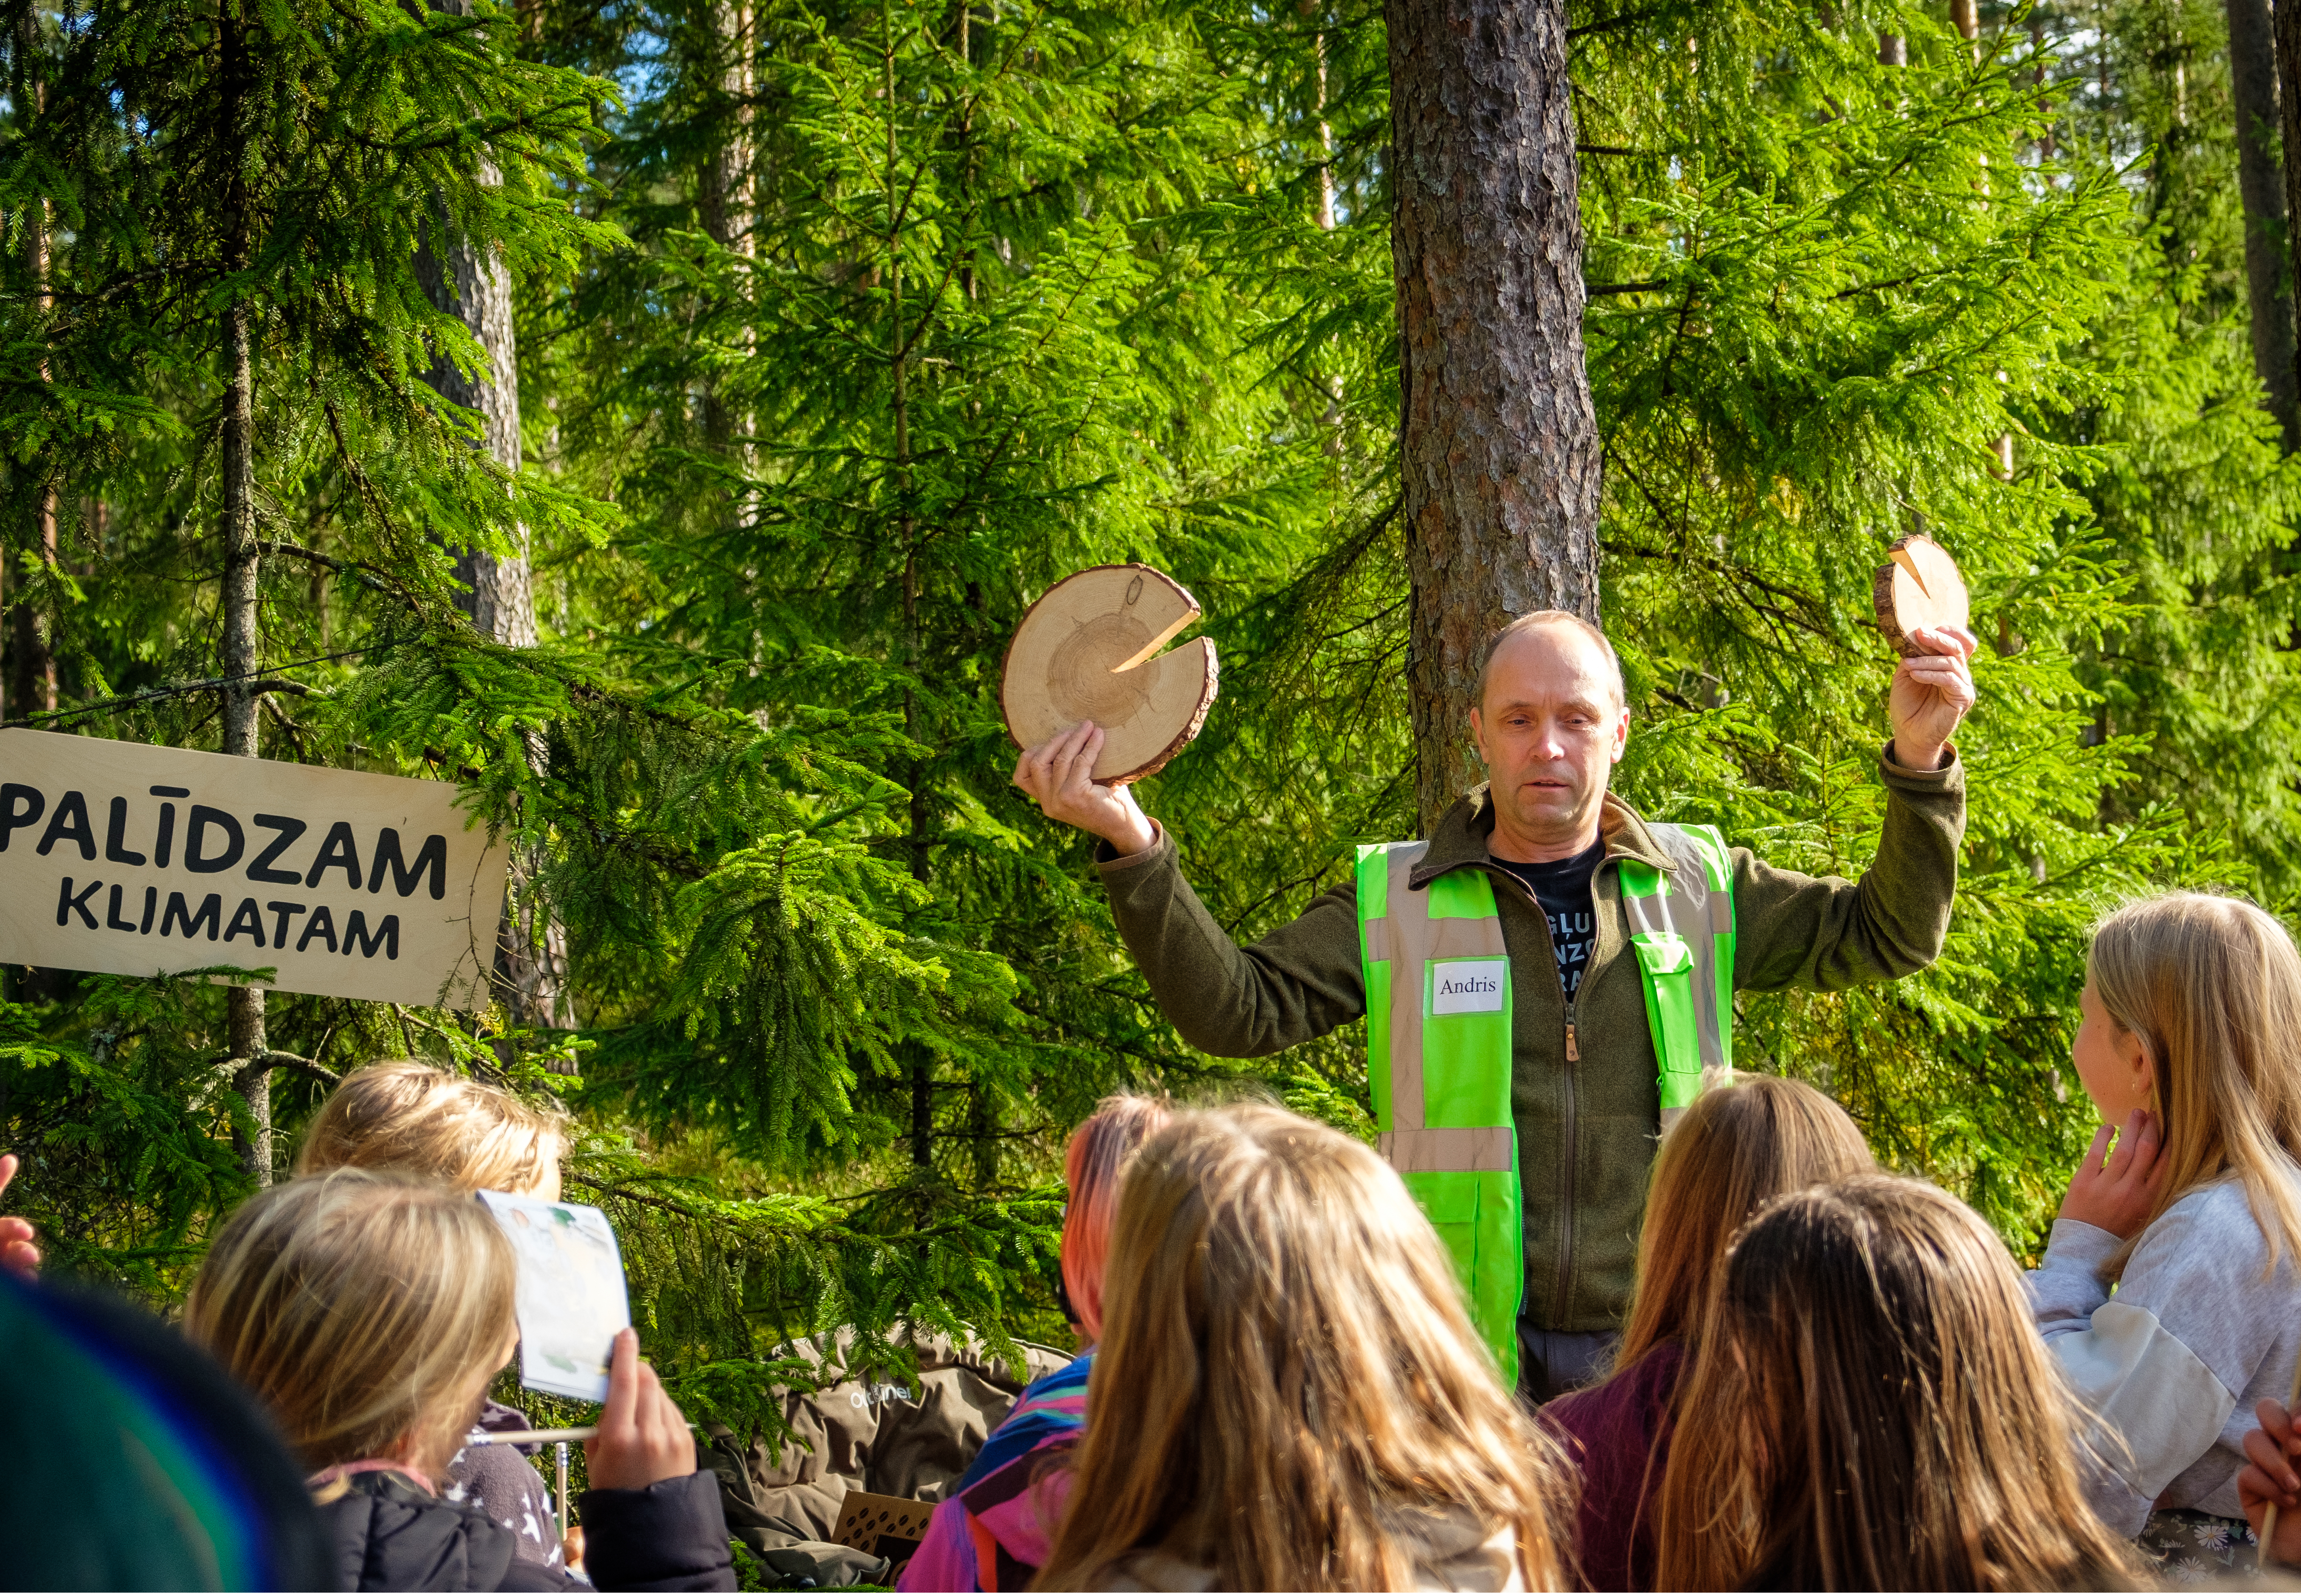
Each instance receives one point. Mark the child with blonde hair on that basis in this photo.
(1736, 1149)
(2190, 1040)
(421, 1120)
(1878, 1412)
(413, 1116)
(1288, 1394)
(368, 1312)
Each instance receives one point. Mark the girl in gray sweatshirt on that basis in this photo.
(2168, 1290)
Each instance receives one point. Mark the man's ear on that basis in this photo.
(1621, 732)
(1478, 733)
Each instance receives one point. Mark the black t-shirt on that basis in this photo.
(1563, 889)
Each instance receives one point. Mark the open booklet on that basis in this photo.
(570, 1298)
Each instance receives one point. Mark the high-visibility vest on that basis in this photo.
(1440, 1060)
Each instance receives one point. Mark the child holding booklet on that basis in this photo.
(412, 1117)
(368, 1312)
(2191, 1039)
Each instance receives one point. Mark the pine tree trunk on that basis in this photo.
(243, 557)
(2261, 188)
(474, 285)
(1500, 446)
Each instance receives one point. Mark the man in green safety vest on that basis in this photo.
(1548, 979)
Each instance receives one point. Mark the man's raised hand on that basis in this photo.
(1931, 693)
(1060, 776)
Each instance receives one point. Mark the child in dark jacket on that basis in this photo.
(369, 1312)
(421, 1120)
(1738, 1147)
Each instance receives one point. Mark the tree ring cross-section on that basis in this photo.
(1088, 650)
(1920, 586)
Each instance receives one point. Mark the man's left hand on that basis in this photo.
(1931, 693)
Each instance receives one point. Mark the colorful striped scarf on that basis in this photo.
(996, 1526)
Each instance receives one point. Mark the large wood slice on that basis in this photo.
(1919, 586)
(1089, 651)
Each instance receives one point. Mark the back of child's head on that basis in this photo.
(1736, 1149)
(2211, 988)
(1100, 1151)
(411, 1117)
(1287, 1374)
(365, 1309)
(1879, 1412)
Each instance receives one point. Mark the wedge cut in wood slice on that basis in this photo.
(1089, 651)
(1919, 586)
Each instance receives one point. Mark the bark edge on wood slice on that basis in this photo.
(1088, 650)
(1920, 586)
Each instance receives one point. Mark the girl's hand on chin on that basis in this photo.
(2117, 1195)
(643, 1436)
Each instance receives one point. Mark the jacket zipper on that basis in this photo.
(1566, 1162)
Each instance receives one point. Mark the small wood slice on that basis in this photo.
(1919, 586)
(1089, 651)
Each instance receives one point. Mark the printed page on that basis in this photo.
(570, 1297)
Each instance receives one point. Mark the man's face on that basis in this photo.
(1548, 730)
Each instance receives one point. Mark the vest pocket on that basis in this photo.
(1666, 965)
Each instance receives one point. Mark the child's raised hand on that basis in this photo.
(2117, 1195)
(2268, 1475)
(18, 1255)
(643, 1436)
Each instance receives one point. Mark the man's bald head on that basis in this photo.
(1548, 619)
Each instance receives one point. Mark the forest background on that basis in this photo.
(655, 415)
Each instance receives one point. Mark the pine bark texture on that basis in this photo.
(1498, 442)
(2261, 187)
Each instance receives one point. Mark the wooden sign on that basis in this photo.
(885, 1526)
(136, 860)
(1919, 586)
(1089, 651)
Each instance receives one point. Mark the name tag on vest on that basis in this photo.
(1469, 985)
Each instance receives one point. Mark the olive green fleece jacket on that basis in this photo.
(1587, 1130)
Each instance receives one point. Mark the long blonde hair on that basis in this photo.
(1099, 1152)
(1287, 1375)
(366, 1310)
(403, 1115)
(2211, 988)
(1882, 1413)
(1736, 1149)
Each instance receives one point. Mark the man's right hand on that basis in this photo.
(1060, 776)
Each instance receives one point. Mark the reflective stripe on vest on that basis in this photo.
(1438, 1057)
(1682, 930)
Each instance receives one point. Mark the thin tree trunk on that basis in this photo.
(2286, 22)
(726, 187)
(921, 1060)
(2253, 95)
(1499, 443)
(35, 687)
(473, 285)
(243, 558)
